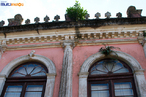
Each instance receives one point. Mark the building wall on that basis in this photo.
(54, 54)
(80, 54)
(83, 49)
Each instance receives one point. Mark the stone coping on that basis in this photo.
(70, 24)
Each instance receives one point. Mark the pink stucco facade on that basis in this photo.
(54, 54)
(80, 54)
(68, 49)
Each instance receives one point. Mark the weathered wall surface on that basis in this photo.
(54, 54)
(80, 54)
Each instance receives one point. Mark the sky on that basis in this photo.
(51, 8)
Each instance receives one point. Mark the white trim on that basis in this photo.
(47, 62)
(132, 62)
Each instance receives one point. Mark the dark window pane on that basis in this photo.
(34, 88)
(108, 66)
(13, 91)
(34, 91)
(123, 89)
(30, 69)
(99, 86)
(100, 93)
(99, 90)
(33, 94)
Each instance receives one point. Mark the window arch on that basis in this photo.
(110, 78)
(37, 58)
(26, 80)
(137, 70)
(109, 66)
(29, 69)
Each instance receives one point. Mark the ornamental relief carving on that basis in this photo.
(72, 36)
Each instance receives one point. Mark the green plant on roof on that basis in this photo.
(76, 12)
(106, 50)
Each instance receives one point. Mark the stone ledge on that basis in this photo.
(67, 24)
(72, 36)
(79, 43)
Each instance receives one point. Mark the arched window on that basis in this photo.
(26, 80)
(111, 78)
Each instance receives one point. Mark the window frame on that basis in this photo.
(110, 79)
(32, 62)
(24, 81)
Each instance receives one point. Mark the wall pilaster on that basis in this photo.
(66, 76)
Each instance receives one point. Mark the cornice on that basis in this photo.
(71, 24)
(79, 43)
(89, 35)
(85, 37)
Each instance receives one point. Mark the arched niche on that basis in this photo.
(128, 59)
(38, 58)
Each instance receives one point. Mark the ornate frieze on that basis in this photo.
(140, 38)
(92, 37)
(72, 36)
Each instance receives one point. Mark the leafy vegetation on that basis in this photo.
(76, 12)
(106, 50)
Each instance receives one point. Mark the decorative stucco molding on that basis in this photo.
(132, 62)
(31, 54)
(72, 35)
(47, 62)
(79, 43)
(140, 38)
(70, 43)
(66, 76)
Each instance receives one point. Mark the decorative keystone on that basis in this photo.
(27, 21)
(57, 17)
(87, 16)
(119, 15)
(37, 20)
(107, 15)
(46, 19)
(97, 15)
(31, 54)
(2, 23)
